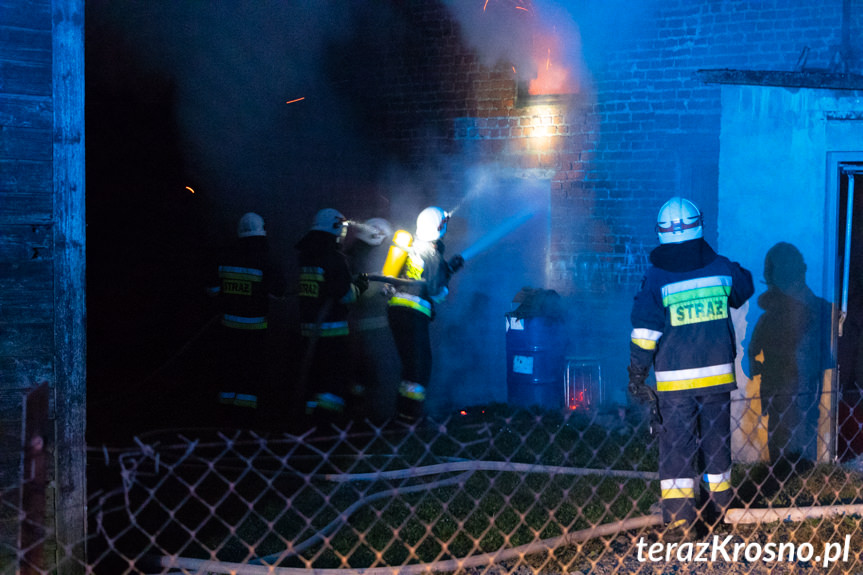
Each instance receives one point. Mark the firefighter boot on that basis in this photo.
(410, 402)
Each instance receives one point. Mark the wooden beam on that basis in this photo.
(70, 340)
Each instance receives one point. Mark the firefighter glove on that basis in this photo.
(456, 263)
(638, 389)
(362, 282)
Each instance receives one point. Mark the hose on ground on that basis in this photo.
(449, 565)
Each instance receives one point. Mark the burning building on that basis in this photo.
(586, 118)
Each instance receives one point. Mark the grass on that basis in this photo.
(260, 498)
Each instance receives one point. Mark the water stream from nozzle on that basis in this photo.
(505, 228)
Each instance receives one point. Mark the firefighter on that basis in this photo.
(682, 327)
(247, 276)
(412, 308)
(326, 289)
(372, 350)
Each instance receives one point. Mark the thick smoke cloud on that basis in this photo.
(233, 66)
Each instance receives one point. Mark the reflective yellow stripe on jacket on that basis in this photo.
(696, 378)
(645, 338)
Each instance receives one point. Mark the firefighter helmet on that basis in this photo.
(251, 224)
(678, 221)
(431, 224)
(330, 221)
(374, 231)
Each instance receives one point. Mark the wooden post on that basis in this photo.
(70, 341)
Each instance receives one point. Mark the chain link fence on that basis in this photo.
(495, 489)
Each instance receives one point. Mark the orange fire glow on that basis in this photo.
(295, 100)
(554, 77)
(190, 189)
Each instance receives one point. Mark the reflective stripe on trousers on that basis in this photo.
(326, 329)
(238, 399)
(240, 322)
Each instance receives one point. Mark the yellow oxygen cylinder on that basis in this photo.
(398, 253)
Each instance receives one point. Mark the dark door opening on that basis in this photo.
(849, 273)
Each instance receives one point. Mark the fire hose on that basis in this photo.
(398, 282)
(450, 565)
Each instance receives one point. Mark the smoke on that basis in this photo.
(555, 47)
(234, 66)
(540, 40)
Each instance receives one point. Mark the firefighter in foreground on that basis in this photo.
(326, 289)
(682, 326)
(247, 276)
(412, 309)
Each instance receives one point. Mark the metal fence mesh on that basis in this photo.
(492, 490)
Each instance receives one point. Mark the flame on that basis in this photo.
(577, 400)
(295, 100)
(553, 78)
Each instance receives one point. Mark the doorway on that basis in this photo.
(849, 297)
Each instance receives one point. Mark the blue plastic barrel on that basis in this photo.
(536, 361)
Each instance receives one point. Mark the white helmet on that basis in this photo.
(251, 224)
(431, 224)
(330, 221)
(678, 221)
(374, 231)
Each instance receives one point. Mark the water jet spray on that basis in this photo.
(505, 228)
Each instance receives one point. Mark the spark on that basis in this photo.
(521, 8)
(484, 5)
(295, 100)
(513, 70)
(548, 60)
(190, 189)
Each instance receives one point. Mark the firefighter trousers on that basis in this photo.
(410, 330)
(694, 439)
(328, 378)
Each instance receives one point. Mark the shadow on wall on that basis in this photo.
(789, 358)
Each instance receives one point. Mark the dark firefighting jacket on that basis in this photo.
(325, 286)
(425, 263)
(247, 275)
(681, 321)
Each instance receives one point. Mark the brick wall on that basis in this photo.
(648, 130)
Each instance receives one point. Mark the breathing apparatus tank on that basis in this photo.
(397, 254)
